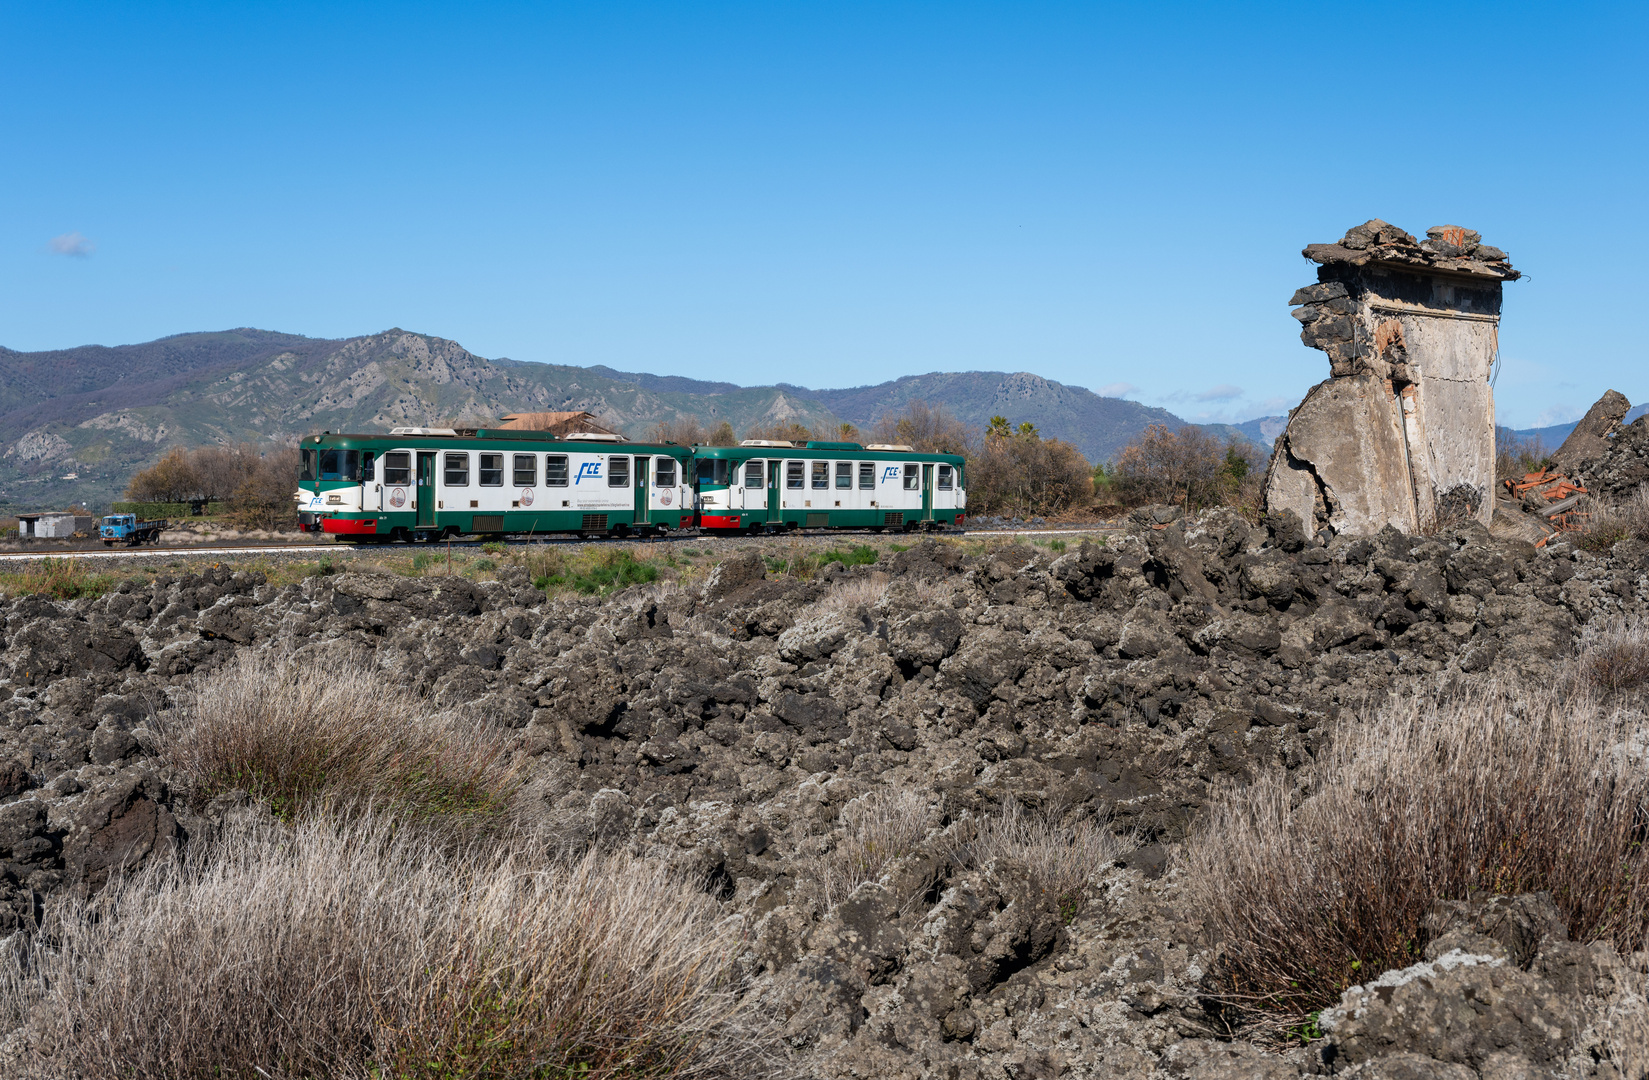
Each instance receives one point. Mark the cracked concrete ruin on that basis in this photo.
(1402, 431)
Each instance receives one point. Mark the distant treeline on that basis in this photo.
(1014, 471)
(253, 484)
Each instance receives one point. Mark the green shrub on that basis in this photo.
(613, 570)
(858, 555)
(59, 578)
(495, 547)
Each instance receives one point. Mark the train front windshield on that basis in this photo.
(331, 465)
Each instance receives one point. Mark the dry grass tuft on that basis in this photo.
(1062, 856)
(1608, 524)
(1614, 655)
(368, 950)
(1497, 789)
(877, 829)
(853, 593)
(1625, 1028)
(300, 733)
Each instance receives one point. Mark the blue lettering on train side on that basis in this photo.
(890, 473)
(592, 469)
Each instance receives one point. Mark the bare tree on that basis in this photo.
(1018, 472)
(263, 499)
(172, 479)
(791, 431)
(683, 430)
(1187, 466)
(929, 429)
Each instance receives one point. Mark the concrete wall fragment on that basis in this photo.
(1402, 432)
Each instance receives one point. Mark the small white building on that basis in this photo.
(55, 523)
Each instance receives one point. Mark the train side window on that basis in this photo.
(664, 472)
(492, 470)
(457, 471)
(867, 476)
(913, 477)
(306, 466)
(795, 475)
(753, 474)
(398, 467)
(526, 470)
(844, 475)
(947, 478)
(618, 471)
(821, 475)
(367, 465)
(555, 470)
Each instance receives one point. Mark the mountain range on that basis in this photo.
(76, 423)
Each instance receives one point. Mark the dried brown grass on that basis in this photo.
(1493, 789)
(1607, 524)
(1061, 852)
(366, 949)
(300, 732)
(876, 829)
(1614, 654)
(853, 593)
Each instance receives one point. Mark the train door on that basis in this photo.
(664, 494)
(775, 512)
(927, 492)
(425, 498)
(642, 516)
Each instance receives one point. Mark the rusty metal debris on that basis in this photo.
(1554, 497)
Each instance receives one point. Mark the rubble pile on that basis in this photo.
(725, 728)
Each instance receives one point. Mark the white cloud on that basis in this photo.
(1117, 389)
(1558, 414)
(71, 244)
(1222, 392)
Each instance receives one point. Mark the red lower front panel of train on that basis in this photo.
(349, 526)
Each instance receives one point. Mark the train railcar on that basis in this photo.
(428, 483)
(760, 485)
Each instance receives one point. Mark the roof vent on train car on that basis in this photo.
(901, 447)
(423, 431)
(768, 442)
(816, 445)
(593, 436)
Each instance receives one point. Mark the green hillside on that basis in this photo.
(125, 406)
(78, 422)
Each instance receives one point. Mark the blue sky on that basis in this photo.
(828, 194)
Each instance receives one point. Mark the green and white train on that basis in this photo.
(430, 483)
(772, 485)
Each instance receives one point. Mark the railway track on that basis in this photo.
(148, 552)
